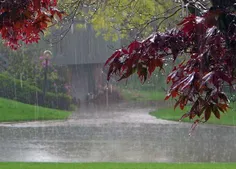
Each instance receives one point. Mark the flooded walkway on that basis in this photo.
(121, 133)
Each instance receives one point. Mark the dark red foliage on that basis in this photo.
(24, 20)
(199, 80)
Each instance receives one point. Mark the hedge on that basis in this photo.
(14, 89)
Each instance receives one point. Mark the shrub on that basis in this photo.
(21, 91)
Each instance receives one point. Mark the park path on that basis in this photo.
(92, 114)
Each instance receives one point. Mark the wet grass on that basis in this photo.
(16, 111)
(117, 166)
(142, 95)
(228, 118)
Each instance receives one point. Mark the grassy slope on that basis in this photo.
(170, 114)
(142, 95)
(15, 111)
(116, 166)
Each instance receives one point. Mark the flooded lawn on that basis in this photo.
(118, 133)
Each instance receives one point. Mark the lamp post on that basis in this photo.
(3, 62)
(47, 56)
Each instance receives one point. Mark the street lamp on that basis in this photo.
(47, 55)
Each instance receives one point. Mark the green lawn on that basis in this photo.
(15, 111)
(117, 166)
(228, 118)
(142, 95)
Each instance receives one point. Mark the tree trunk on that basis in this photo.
(222, 3)
(45, 81)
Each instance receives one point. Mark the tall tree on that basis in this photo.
(114, 19)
